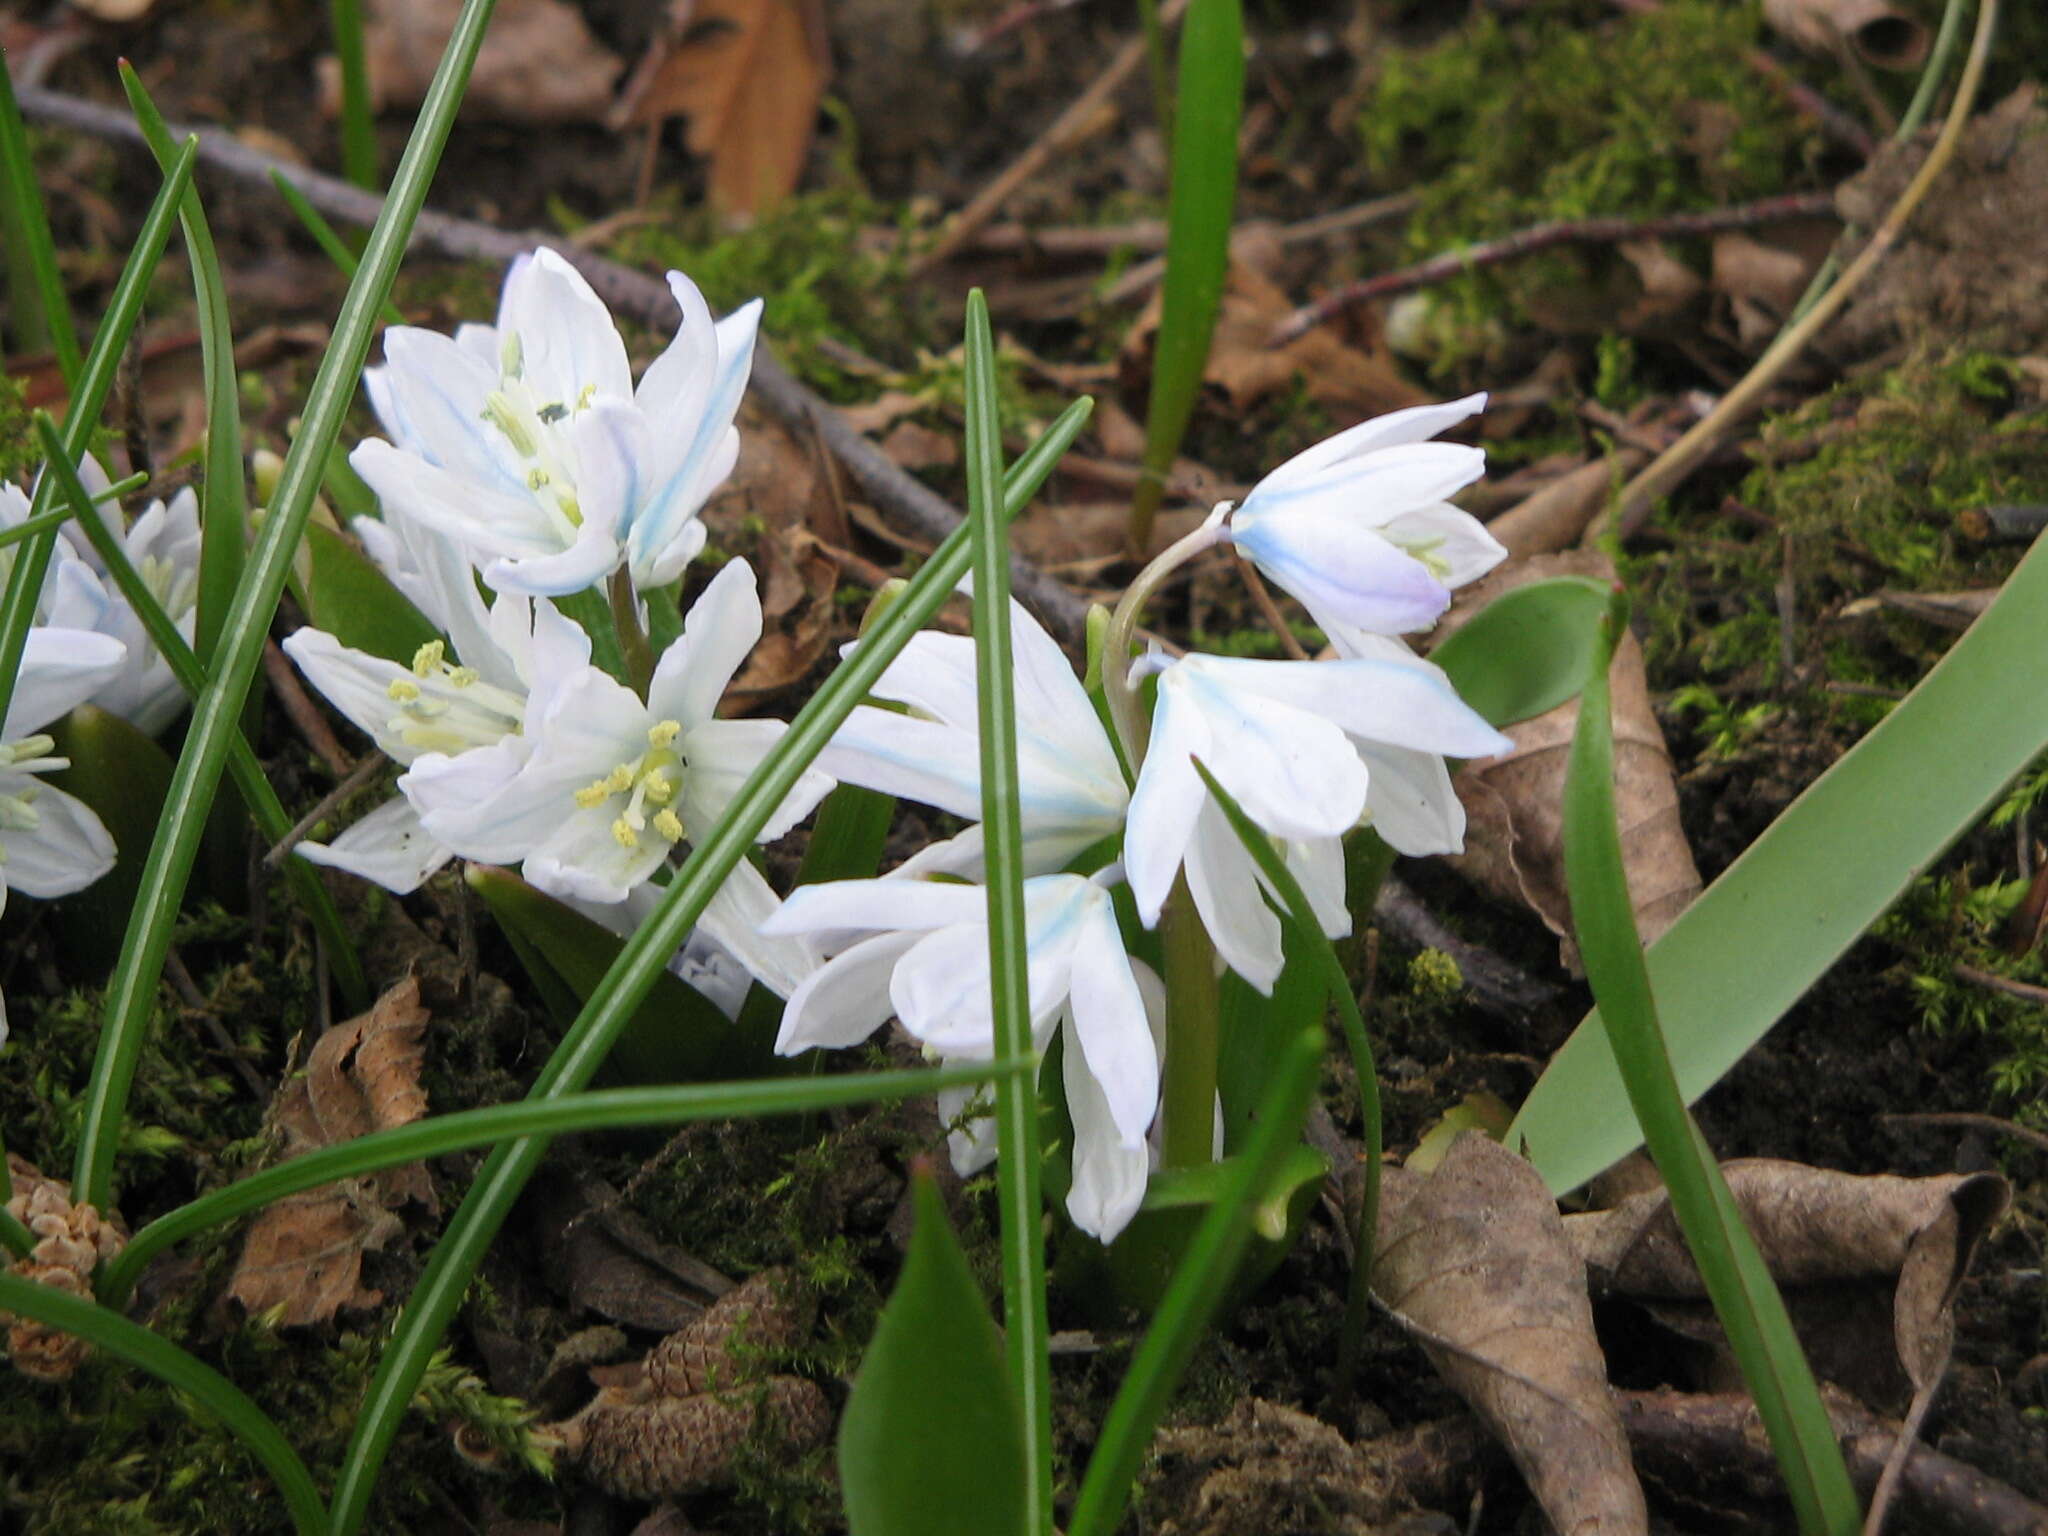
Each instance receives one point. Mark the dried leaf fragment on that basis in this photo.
(749, 75)
(540, 62)
(304, 1256)
(1514, 838)
(1474, 1260)
(71, 1242)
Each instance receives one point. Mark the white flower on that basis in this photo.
(530, 444)
(79, 594)
(919, 949)
(1359, 530)
(51, 843)
(472, 714)
(1071, 787)
(1308, 750)
(610, 784)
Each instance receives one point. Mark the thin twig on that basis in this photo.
(1543, 237)
(197, 1005)
(631, 293)
(368, 769)
(1672, 466)
(1997, 983)
(1081, 119)
(303, 713)
(1270, 610)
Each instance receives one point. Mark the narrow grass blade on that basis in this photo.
(497, 1184)
(174, 1367)
(1190, 1301)
(223, 507)
(271, 818)
(324, 235)
(1017, 1156)
(1821, 874)
(214, 715)
(88, 396)
(1747, 1301)
(36, 300)
(609, 1109)
(358, 125)
(1200, 206)
(1309, 938)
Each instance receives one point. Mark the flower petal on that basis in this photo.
(1224, 883)
(733, 917)
(60, 670)
(1163, 805)
(722, 626)
(567, 340)
(1109, 1175)
(65, 851)
(388, 847)
(1340, 567)
(1411, 802)
(1109, 1027)
(1413, 425)
(832, 907)
(1293, 772)
(845, 1000)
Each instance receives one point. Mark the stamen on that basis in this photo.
(624, 834)
(590, 796)
(427, 658)
(663, 733)
(501, 413)
(658, 786)
(669, 825)
(403, 690)
(620, 779)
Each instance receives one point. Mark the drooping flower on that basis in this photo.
(1072, 790)
(1358, 527)
(918, 949)
(609, 784)
(1308, 750)
(529, 442)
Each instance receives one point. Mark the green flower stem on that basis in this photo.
(1737, 1281)
(88, 396)
(610, 1007)
(633, 646)
(1368, 868)
(37, 303)
(223, 510)
(358, 124)
(33, 526)
(611, 1109)
(1017, 1156)
(1120, 640)
(324, 235)
(1187, 1111)
(132, 987)
(174, 1367)
(272, 820)
(1192, 1297)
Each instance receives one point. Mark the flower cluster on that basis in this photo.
(524, 466)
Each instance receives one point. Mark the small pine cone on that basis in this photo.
(71, 1242)
(665, 1447)
(769, 1311)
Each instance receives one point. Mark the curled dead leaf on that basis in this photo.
(303, 1257)
(1514, 836)
(1475, 1262)
(1881, 33)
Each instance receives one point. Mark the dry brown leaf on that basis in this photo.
(1475, 1261)
(1552, 518)
(1351, 381)
(540, 63)
(114, 10)
(748, 74)
(602, 1257)
(1514, 836)
(913, 445)
(1817, 1227)
(305, 1254)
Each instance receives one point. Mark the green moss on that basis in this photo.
(1866, 487)
(17, 437)
(1564, 111)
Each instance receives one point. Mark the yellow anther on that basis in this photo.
(568, 507)
(462, 677)
(536, 478)
(583, 398)
(663, 733)
(669, 825)
(427, 658)
(403, 690)
(620, 779)
(624, 833)
(658, 787)
(593, 795)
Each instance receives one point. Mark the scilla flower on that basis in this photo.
(51, 843)
(530, 444)
(610, 784)
(918, 949)
(1358, 527)
(1308, 750)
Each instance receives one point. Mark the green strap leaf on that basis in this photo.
(1526, 651)
(931, 1442)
